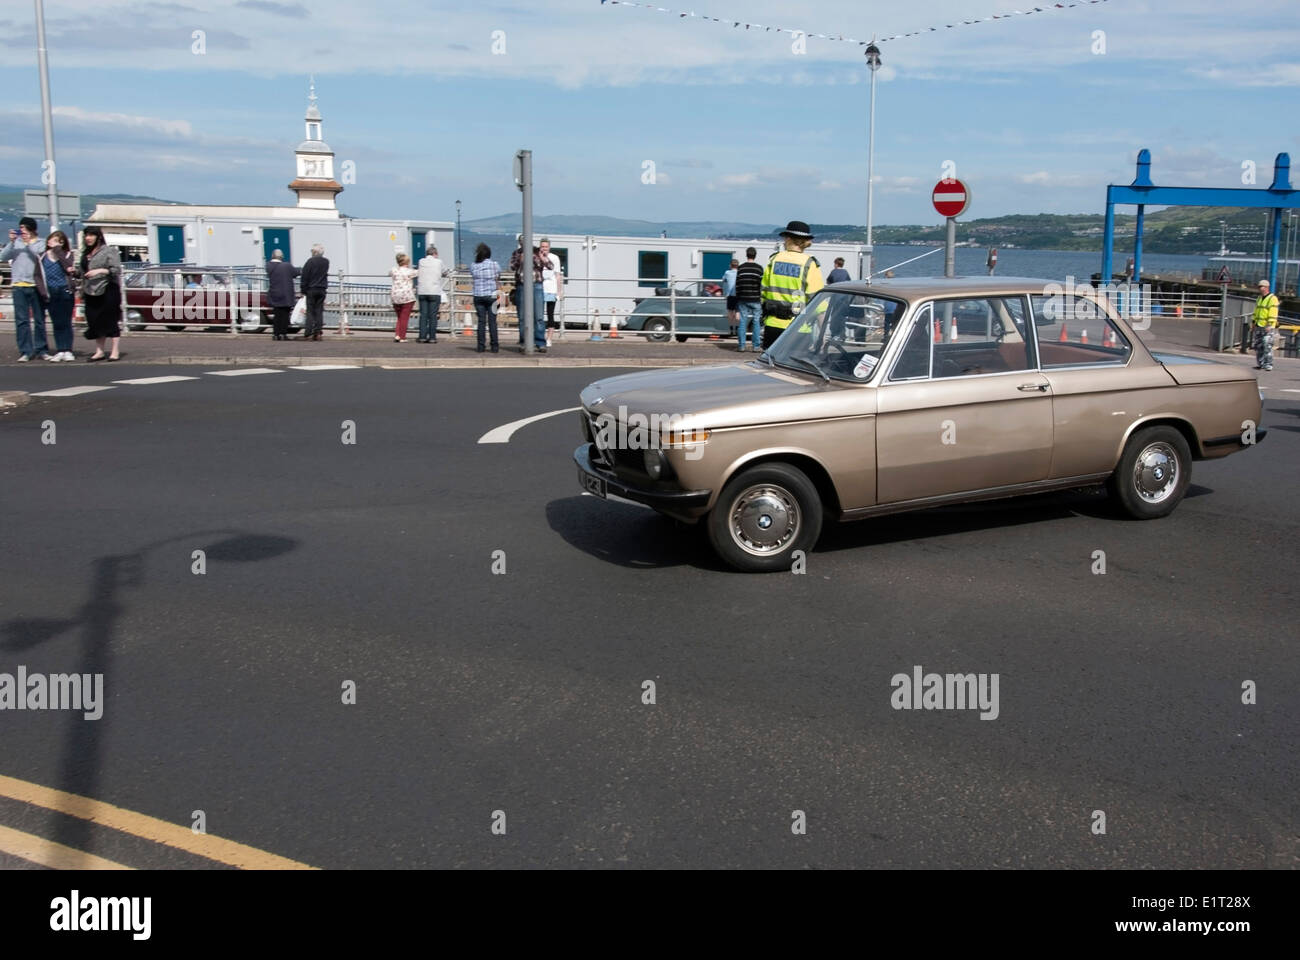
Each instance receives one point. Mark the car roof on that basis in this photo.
(917, 288)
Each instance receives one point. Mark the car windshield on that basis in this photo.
(842, 334)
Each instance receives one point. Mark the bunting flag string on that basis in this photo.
(737, 24)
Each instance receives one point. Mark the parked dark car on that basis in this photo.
(698, 311)
(194, 297)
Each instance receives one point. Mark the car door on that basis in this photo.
(961, 411)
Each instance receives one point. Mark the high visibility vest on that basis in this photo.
(792, 278)
(1266, 311)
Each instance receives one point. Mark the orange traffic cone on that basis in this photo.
(938, 337)
(1108, 337)
(1064, 337)
(469, 329)
(1083, 335)
(613, 326)
(952, 330)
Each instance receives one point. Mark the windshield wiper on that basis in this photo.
(809, 363)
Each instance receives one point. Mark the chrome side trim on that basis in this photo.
(971, 496)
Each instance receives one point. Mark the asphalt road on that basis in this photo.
(522, 692)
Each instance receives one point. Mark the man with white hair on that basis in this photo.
(315, 281)
(1265, 326)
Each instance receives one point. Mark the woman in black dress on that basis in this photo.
(101, 275)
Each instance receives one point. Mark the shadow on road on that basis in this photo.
(633, 536)
(98, 618)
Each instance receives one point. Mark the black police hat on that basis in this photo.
(797, 228)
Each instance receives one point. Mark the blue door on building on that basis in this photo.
(171, 243)
(276, 238)
(417, 245)
(715, 264)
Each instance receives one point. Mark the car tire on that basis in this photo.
(1153, 473)
(682, 338)
(656, 329)
(175, 327)
(763, 515)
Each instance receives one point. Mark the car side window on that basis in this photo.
(1073, 330)
(913, 362)
(980, 335)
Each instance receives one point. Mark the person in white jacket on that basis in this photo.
(433, 274)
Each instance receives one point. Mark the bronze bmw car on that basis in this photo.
(908, 394)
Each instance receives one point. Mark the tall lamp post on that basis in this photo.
(458, 259)
(873, 64)
(46, 116)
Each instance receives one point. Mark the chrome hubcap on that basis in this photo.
(1155, 474)
(764, 519)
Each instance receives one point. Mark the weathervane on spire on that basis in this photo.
(312, 89)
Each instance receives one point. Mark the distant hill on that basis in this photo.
(616, 226)
(1190, 230)
(11, 204)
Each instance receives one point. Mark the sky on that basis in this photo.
(430, 101)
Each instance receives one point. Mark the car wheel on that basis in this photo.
(682, 338)
(176, 327)
(763, 515)
(1153, 473)
(657, 329)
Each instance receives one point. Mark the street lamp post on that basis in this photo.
(47, 117)
(873, 64)
(458, 259)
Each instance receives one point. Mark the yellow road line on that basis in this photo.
(47, 853)
(149, 828)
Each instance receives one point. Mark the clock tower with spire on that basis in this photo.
(315, 184)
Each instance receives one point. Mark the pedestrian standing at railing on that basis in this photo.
(487, 293)
(403, 294)
(552, 285)
(538, 292)
(24, 249)
(1265, 316)
(279, 293)
(101, 273)
(432, 275)
(749, 299)
(315, 281)
(59, 267)
(729, 291)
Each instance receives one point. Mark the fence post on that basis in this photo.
(230, 302)
(344, 328)
(125, 325)
(672, 310)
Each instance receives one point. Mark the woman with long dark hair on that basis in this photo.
(58, 265)
(101, 276)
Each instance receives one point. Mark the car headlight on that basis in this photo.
(656, 464)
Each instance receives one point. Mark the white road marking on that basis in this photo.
(69, 391)
(1285, 389)
(330, 366)
(146, 380)
(241, 373)
(503, 433)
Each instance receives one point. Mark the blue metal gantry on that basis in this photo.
(1143, 193)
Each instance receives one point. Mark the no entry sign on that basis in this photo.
(951, 198)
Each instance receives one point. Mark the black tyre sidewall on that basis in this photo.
(810, 510)
(1121, 482)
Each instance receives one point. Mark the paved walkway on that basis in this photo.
(574, 350)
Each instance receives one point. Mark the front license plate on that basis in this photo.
(593, 485)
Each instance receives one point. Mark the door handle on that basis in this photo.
(1031, 387)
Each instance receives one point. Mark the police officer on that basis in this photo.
(790, 278)
(1266, 305)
